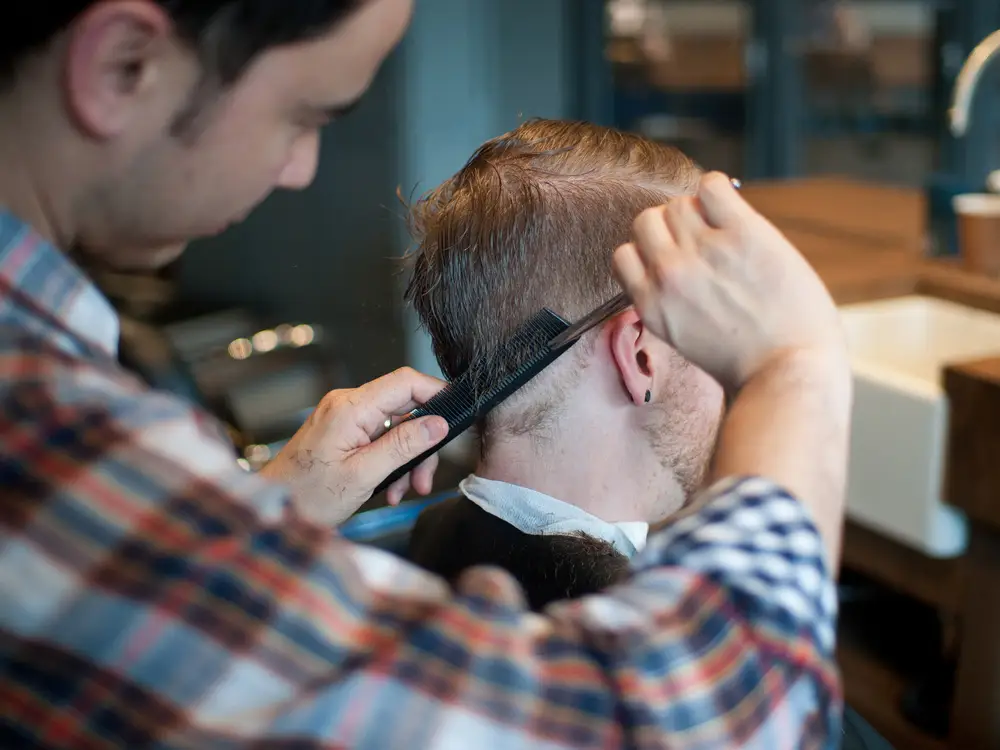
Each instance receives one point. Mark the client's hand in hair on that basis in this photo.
(718, 281)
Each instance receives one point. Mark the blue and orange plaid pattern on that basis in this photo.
(153, 595)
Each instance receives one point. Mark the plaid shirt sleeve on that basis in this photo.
(154, 596)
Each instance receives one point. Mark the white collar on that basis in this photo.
(535, 513)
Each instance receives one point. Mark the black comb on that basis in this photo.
(472, 394)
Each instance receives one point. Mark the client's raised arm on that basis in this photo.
(716, 279)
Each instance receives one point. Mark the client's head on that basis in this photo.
(531, 221)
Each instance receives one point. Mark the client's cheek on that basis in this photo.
(710, 396)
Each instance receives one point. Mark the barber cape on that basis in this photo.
(501, 525)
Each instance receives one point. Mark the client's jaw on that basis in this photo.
(611, 457)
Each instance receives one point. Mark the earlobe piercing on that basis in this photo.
(648, 396)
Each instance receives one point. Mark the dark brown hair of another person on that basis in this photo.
(531, 221)
(227, 35)
(456, 534)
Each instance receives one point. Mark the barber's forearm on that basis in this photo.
(791, 423)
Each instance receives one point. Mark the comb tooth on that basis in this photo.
(450, 404)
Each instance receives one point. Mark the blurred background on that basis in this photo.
(834, 114)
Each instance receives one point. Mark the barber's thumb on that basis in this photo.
(408, 440)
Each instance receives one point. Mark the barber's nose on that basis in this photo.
(301, 167)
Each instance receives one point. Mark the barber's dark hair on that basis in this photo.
(226, 34)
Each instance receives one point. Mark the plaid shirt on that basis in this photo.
(153, 595)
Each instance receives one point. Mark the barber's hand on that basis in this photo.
(720, 283)
(335, 461)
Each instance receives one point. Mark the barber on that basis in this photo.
(153, 593)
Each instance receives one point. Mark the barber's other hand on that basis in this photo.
(342, 453)
(719, 282)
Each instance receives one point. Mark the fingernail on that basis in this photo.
(435, 429)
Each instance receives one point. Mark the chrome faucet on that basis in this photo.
(967, 81)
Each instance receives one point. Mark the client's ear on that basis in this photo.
(630, 349)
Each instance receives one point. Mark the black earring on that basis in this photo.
(648, 396)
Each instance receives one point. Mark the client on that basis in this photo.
(618, 433)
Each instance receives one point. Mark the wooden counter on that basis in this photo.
(867, 241)
(862, 239)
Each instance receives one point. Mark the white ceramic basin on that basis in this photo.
(899, 348)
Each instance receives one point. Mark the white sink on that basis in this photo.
(899, 348)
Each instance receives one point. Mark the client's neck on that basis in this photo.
(614, 480)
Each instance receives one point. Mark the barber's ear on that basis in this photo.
(629, 347)
(113, 52)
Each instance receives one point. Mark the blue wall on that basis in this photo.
(470, 71)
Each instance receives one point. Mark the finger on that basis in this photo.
(399, 488)
(633, 276)
(685, 222)
(422, 477)
(399, 446)
(721, 203)
(387, 424)
(635, 280)
(394, 394)
(401, 390)
(630, 270)
(652, 238)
